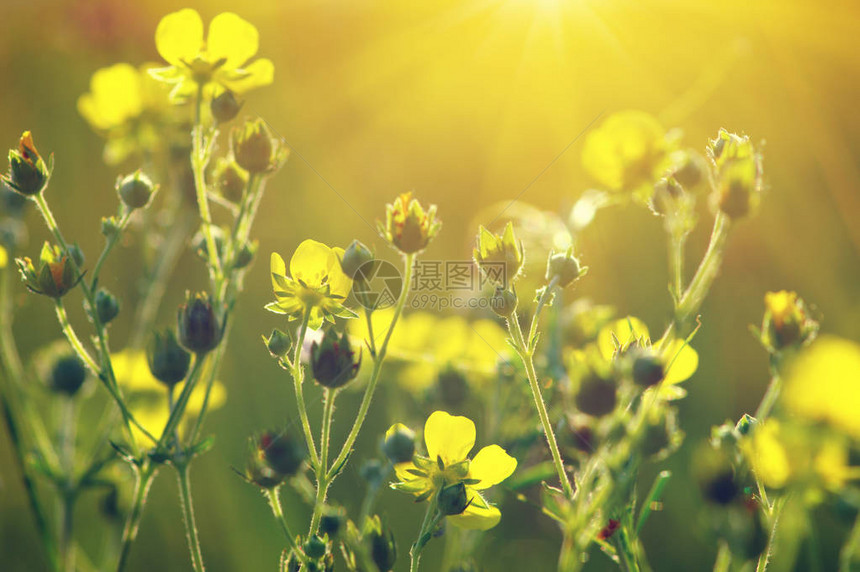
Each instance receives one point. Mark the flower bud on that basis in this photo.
(333, 362)
(372, 472)
(168, 361)
(282, 452)
(28, 173)
(77, 254)
(245, 255)
(738, 181)
(135, 190)
(691, 171)
(452, 387)
(68, 374)
(197, 324)
(355, 257)
(257, 470)
(564, 268)
(107, 306)
(399, 444)
(786, 321)
(315, 547)
(504, 302)
(596, 396)
(408, 227)
(716, 477)
(331, 523)
(647, 369)
(499, 256)
(745, 424)
(453, 499)
(230, 180)
(278, 343)
(54, 276)
(254, 147)
(383, 548)
(110, 226)
(225, 107)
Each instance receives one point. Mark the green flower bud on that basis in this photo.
(168, 361)
(225, 107)
(245, 255)
(564, 268)
(254, 147)
(399, 444)
(278, 343)
(647, 369)
(55, 275)
(197, 324)
(713, 471)
(746, 424)
(331, 523)
(333, 362)
(408, 227)
(786, 321)
(107, 306)
(230, 180)
(135, 190)
(77, 254)
(383, 548)
(504, 302)
(499, 256)
(28, 173)
(355, 257)
(315, 547)
(257, 470)
(68, 374)
(282, 452)
(453, 499)
(110, 226)
(597, 396)
(372, 472)
(452, 387)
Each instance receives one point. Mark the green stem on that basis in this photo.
(275, 503)
(377, 368)
(298, 381)
(188, 517)
(525, 354)
(695, 294)
(775, 514)
(769, 400)
(724, 558)
(199, 159)
(111, 242)
(179, 408)
(423, 535)
(143, 480)
(676, 262)
(323, 481)
(848, 557)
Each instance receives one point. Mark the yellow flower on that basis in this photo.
(408, 227)
(823, 385)
(148, 399)
(629, 153)
(217, 64)
(680, 360)
(316, 284)
(786, 321)
(4, 257)
(449, 439)
(129, 108)
(500, 256)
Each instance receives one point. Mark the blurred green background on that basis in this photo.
(465, 103)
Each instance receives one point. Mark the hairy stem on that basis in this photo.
(185, 500)
(143, 480)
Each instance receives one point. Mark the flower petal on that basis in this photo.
(257, 74)
(232, 38)
(310, 263)
(681, 361)
(478, 515)
(114, 97)
(179, 36)
(626, 330)
(491, 466)
(449, 437)
(278, 268)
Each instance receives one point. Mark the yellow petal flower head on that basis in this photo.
(408, 227)
(316, 286)
(629, 153)
(499, 256)
(221, 62)
(822, 384)
(449, 439)
(786, 321)
(148, 400)
(130, 109)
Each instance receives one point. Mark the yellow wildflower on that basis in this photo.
(129, 108)
(316, 284)
(629, 153)
(823, 384)
(499, 256)
(408, 227)
(4, 257)
(148, 400)
(449, 439)
(219, 63)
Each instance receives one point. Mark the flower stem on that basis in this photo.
(525, 354)
(298, 380)
(111, 242)
(275, 503)
(424, 535)
(143, 480)
(183, 473)
(377, 368)
(199, 159)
